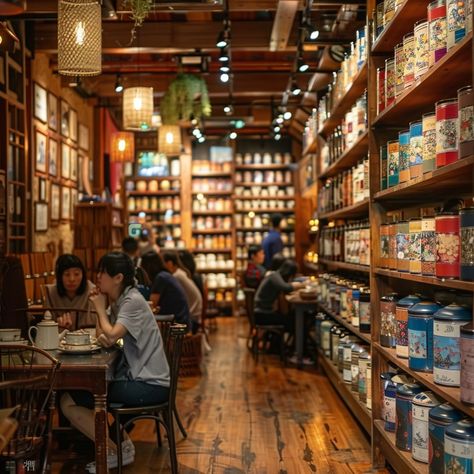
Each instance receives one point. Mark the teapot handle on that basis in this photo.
(29, 334)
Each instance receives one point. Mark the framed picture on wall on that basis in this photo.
(41, 216)
(74, 164)
(73, 125)
(40, 151)
(41, 103)
(52, 112)
(80, 181)
(55, 203)
(53, 157)
(65, 203)
(65, 161)
(73, 201)
(64, 118)
(42, 190)
(83, 137)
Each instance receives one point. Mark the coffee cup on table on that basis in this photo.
(10, 334)
(77, 338)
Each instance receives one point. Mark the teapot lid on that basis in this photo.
(48, 320)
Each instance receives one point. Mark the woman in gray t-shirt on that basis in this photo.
(142, 377)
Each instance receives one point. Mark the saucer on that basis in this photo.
(78, 350)
(21, 342)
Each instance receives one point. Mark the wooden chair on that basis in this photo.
(162, 413)
(29, 281)
(40, 274)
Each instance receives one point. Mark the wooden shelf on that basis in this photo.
(360, 412)
(277, 183)
(402, 22)
(356, 331)
(265, 198)
(432, 186)
(213, 174)
(206, 250)
(262, 167)
(152, 178)
(284, 210)
(401, 461)
(357, 210)
(213, 193)
(450, 394)
(311, 147)
(350, 157)
(154, 193)
(212, 213)
(163, 223)
(440, 82)
(454, 284)
(150, 211)
(345, 266)
(355, 90)
(212, 231)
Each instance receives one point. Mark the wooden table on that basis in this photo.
(300, 306)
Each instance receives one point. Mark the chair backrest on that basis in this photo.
(174, 347)
(249, 304)
(165, 321)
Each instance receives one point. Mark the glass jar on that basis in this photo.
(466, 121)
(447, 245)
(429, 142)
(447, 134)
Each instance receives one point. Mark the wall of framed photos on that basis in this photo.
(61, 155)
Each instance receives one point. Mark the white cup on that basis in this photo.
(10, 334)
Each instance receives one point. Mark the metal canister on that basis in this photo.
(437, 30)
(343, 298)
(388, 11)
(357, 350)
(459, 447)
(404, 156)
(466, 121)
(403, 431)
(380, 89)
(390, 82)
(428, 246)
(448, 245)
(334, 335)
(447, 343)
(355, 312)
(336, 338)
(319, 318)
(421, 406)
(403, 246)
(340, 350)
(420, 335)
(466, 219)
(468, 17)
(364, 367)
(410, 57)
(401, 316)
(421, 48)
(467, 364)
(415, 245)
(393, 150)
(388, 325)
(383, 167)
(456, 21)
(399, 69)
(389, 394)
(364, 310)
(447, 133)
(440, 418)
(384, 242)
(379, 10)
(326, 336)
(392, 246)
(416, 149)
(368, 402)
(347, 359)
(429, 142)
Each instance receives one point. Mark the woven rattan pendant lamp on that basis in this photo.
(122, 147)
(169, 140)
(137, 108)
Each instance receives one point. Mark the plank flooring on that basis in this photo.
(256, 419)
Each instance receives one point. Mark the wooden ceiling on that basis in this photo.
(264, 38)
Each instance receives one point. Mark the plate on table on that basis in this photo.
(79, 350)
(19, 342)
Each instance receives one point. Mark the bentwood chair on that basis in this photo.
(161, 413)
(27, 376)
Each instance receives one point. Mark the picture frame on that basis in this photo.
(74, 164)
(53, 157)
(74, 196)
(83, 137)
(40, 103)
(80, 180)
(52, 112)
(65, 161)
(3, 192)
(55, 203)
(40, 152)
(41, 216)
(73, 125)
(65, 203)
(42, 190)
(64, 118)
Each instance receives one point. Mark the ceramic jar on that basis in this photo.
(447, 343)
(402, 324)
(459, 447)
(467, 364)
(447, 226)
(428, 246)
(466, 217)
(420, 335)
(447, 133)
(388, 327)
(404, 156)
(466, 121)
(403, 431)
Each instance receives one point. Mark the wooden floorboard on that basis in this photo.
(256, 419)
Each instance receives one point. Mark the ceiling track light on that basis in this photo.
(223, 40)
(224, 77)
(224, 55)
(233, 135)
(118, 84)
(228, 109)
(312, 33)
(302, 65)
(295, 89)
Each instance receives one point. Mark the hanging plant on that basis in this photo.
(140, 10)
(186, 98)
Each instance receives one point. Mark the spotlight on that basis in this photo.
(233, 135)
(277, 136)
(118, 84)
(287, 115)
(224, 67)
(74, 81)
(276, 129)
(224, 55)
(311, 32)
(295, 89)
(197, 132)
(223, 39)
(224, 77)
(279, 119)
(228, 109)
(202, 139)
(303, 66)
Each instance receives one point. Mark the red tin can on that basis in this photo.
(448, 245)
(447, 134)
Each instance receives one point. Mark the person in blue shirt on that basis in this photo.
(272, 243)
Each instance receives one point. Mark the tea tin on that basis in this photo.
(440, 418)
(389, 394)
(468, 17)
(447, 135)
(364, 367)
(404, 156)
(364, 310)
(466, 217)
(420, 335)
(459, 447)
(456, 21)
(399, 69)
(392, 246)
(379, 10)
(393, 162)
(390, 82)
(467, 364)
(347, 359)
(415, 245)
(335, 334)
(384, 246)
(447, 245)
(326, 326)
(401, 316)
(410, 57)
(466, 121)
(388, 11)
(319, 318)
(421, 48)
(447, 343)
(428, 246)
(357, 350)
(403, 246)
(354, 316)
(388, 325)
(416, 149)
(437, 30)
(429, 142)
(383, 167)
(421, 406)
(380, 89)
(403, 431)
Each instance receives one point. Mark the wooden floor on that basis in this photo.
(248, 418)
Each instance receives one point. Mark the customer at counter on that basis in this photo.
(272, 243)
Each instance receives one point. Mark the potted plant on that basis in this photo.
(140, 10)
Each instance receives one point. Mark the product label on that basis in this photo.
(466, 124)
(417, 344)
(420, 433)
(364, 313)
(447, 353)
(458, 456)
(446, 135)
(447, 248)
(389, 409)
(416, 150)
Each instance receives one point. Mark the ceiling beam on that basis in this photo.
(283, 24)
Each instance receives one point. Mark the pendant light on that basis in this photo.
(137, 108)
(122, 147)
(169, 140)
(79, 38)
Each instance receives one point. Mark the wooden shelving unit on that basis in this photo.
(359, 209)
(353, 267)
(261, 167)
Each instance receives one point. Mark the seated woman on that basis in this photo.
(255, 271)
(71, 290)
(143, 377)
(188, 261)
(166, 292)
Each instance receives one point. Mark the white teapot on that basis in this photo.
(47, 336)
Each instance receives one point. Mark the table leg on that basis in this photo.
(101, 433)
(299, 332)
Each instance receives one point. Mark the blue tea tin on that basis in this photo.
(420, 335)
(404, 156)
(459, 447)
(447, 343)
(440, 418)
(389, 393)
(402, 323)
(403, 432)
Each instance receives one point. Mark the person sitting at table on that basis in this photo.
(71, 290)
(165, 292)
(255, 271)
(130, 247)
(276, 263)
(188, 261)
(142, 376)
